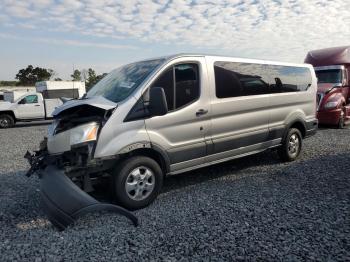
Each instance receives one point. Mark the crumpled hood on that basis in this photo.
(324, 87)
(96, 101)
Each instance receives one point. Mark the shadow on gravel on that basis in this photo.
(266, 163)
(325, 127)
(32, 124)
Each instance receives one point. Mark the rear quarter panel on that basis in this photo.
(288, 107)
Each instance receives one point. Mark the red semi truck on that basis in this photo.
(332, 67)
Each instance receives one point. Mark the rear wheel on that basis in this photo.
(137, 182)
(6, 121)
(291, 146)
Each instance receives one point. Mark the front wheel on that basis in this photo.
(291, 146)
(137, 182)
(6, 121)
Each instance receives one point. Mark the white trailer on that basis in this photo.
(58, 89)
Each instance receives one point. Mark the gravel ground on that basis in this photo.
(254, 208)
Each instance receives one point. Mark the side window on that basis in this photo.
(31, 99)
(240, 79)
(180, 84)
(289, 78)
(187, 84)
(166, 81)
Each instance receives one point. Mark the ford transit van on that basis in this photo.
(168, 115)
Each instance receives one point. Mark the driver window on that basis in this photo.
(166, 81)
(32, 99)
(180, 84)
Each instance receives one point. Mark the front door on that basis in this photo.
(30, 108)
(184, 131)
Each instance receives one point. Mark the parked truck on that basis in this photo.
(332, 67)
(39, 105)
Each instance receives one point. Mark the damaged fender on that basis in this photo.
(64, 201)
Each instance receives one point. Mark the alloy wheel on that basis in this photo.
(140, 183)
(293, 145)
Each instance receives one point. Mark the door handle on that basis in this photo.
(201, 112)
(37, 105)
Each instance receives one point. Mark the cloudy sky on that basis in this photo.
(104, 34)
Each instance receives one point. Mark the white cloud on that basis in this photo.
(53, 41)
(280, 30)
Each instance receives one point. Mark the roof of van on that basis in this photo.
(246, 60)
(329, 56)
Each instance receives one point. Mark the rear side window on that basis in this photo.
(180, 84)
(240, 79)
(289, 78)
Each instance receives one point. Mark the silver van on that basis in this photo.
(165, 116)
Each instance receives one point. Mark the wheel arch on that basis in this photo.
(155, 152)
(10, 113)
(297, 123)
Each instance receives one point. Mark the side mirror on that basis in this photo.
(157, 102)
(22, 102)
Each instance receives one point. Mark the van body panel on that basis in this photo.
(287, 108)
(182, 133)
(230, 127)
(225, 156)
(234, 125)
(116, 134)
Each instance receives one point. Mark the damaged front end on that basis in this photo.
(66, 167)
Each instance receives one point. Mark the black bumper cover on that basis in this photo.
(64, 201)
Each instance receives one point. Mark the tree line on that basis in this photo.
(30, 75)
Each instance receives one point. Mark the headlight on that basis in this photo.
(331, 105)
(84, 133)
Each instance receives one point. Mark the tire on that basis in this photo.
(137, 182)
(6, 121)
(291, 145)
(341, 123)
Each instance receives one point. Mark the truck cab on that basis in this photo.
(332, 68)
(27, 107)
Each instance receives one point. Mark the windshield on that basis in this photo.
(329, 76)
(121, 82)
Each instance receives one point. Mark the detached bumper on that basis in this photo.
(64, 202)
(330, 117)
